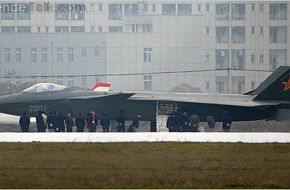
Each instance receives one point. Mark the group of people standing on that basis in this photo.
(57, 122)
(182, 122)
(176, 122)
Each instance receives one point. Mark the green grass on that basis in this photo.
(144, 165)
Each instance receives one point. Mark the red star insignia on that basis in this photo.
(287, 85)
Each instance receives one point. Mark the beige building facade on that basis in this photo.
(214, 46)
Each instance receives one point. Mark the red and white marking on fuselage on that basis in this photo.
(101, 87)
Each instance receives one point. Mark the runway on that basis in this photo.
(147, 137)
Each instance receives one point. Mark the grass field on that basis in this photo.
(144, 165)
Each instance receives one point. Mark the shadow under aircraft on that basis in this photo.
(271, 100)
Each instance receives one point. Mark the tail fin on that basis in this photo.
(101, 87)
(276, 86)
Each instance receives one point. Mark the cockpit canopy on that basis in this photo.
(45, 87)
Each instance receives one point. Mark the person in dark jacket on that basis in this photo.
(105, 123)
(177, 122)
(121, 119)
(211, 123)
(170, 123)
(80, 123)
(227, 122)
(92, 121)
(61, 122)
(50, 123)
(135, 124)
(69, 123)
(153, 125)
(24, 122)
(184, 122)
(40, 124)
(194, 123)
(55, 122)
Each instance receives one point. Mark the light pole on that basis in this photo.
(230, 79)
(51, 60)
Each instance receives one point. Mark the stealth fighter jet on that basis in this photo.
(271, 100)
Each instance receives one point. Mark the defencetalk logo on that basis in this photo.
(286, 85)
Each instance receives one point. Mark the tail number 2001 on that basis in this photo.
(35, 108)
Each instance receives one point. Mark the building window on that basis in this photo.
(135, 28)
(131, 9)
(147, 82)
(222, 34)
(7, 29)
(97, 52)
(222, 59)
(207, 85)
(184, 9)
(38, 29)
(278, 57)
(207, 30)
(207, 7)
(253, 58)
(46, 29)
(168, 9)
(77, 29)
(253, 30)
(84, 80)
(222, 11)
(100, 29)
(261, 58)
(70, 81)
(84, 52)
(59, 80)
(145, 5)
(278, 34)
(141, 28)
(154, 8)
(78, 12)
(34, 80)
(115, 11)
(23, 29)
(239, 85)
(207, 57)
(60, 29)
(18, 55)
(92, 29)
(44, 79)
(97, 79)
(100, 7)
(7, 52)
(238, 34)
(238, 59)
(62, 12)
(59, 54)
(199, 7)
(253, 85)
(261, 7)
(278, 11)
(18, 81)
(70, 55)
(33, 55)
(147, 55)
(115, 29)
(238, 11)
(261, 30)
(44, 55)
(253, 6)
(220, 86)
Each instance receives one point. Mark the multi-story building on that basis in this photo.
(154, 45)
